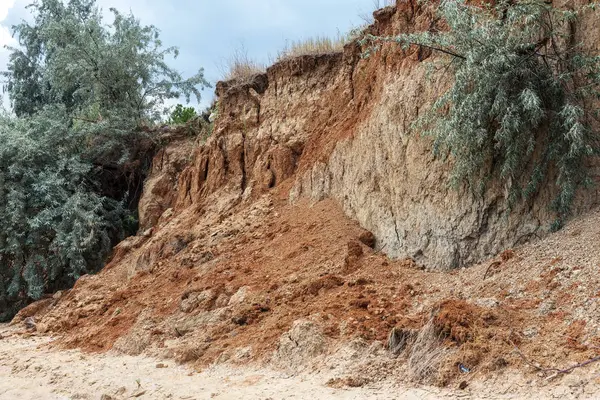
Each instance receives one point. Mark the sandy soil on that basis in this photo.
(30, 369)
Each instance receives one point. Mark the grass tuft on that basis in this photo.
(426, 354)
(241, 68)
(313, 46)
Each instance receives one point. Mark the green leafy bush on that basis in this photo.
(54, 226)
(519, 106)
(181, 115)
(72, 160)
(70, 56)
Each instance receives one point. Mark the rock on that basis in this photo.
(244, 353)
(138, 338)
(239, 296)
(30, 324)
(161, 365)
(546, 307)
(36, 309)
(148, 232)
(360, 303)
(205, 257)
(300, 346)
(176, 245)
(167, 214)
(354, 250)
(381, 173)
(222, 301)
(160, 188)
(197, 300)
(42, 327)
(354, 253)
(80, 396)
(530, 332)
(389, 180)
(147, 259)
(486, 302)
(368, 239)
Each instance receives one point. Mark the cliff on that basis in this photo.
(338, 126)
(308, 217)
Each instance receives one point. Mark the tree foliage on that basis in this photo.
(181, 115)
(55, 226)
(520, 105)
(69, 56)
(84, 94)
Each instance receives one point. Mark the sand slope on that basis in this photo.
(29, 369)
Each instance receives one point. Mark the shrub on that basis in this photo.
(70, 56)
(518, 107)
(55, 227)
(181, 115)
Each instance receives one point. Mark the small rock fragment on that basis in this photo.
(368, 239)
(29, 323)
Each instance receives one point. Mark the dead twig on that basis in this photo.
(556, 371)
(489, 268)
(573, 367)
(525, 359)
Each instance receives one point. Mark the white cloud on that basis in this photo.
(5, 35)
(6, 38)
(4, 7)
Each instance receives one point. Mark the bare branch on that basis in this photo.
(556, 371)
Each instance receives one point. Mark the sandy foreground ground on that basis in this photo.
(29, 369)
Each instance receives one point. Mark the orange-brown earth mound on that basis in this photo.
(218, 289)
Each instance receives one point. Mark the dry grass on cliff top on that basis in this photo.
(241, 67)
(314, 46)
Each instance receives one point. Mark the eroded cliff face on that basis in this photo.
(387, 178)
(161, 186)
(338, 126)
(266, 242)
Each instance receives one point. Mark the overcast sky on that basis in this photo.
(207, 32)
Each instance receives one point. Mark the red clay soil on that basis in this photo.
(312, 262)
